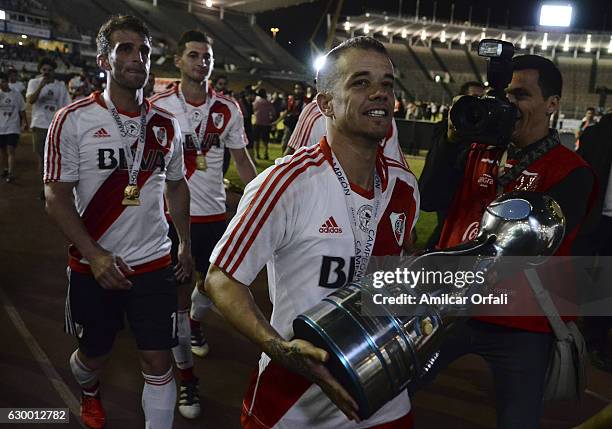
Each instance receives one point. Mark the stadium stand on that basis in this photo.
(576, 97)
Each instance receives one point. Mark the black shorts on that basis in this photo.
(95, 315)
(204, 238)
(262, 132)
(9, 140)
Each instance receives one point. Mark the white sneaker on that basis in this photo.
(199, 345)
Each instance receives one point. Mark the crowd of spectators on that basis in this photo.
(30, 53)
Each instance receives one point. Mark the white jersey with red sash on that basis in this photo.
(294, 218)
(224, 128)
(84, 146)
(310, 129)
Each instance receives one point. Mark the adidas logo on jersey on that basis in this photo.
(101, 133)
(330, 227)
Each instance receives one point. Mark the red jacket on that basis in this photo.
(478, 189)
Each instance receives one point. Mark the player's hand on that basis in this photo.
(45, 80)
(307, 360)
(110, 271)
(183, 271)
(451, 134)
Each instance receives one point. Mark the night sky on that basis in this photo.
(297, 23)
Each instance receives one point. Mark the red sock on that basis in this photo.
(186, 374)
(91, 391)
(194, 324)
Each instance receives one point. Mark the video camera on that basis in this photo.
(488, 119)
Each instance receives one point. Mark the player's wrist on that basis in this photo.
(95, 252)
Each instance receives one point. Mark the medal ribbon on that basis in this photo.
(199, 137)
(132, 161)
(364, 240)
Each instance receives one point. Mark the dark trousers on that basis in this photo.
(518, 360)
(599, 242)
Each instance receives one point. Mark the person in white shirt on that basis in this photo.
(46, 95)
(79, 86)
(211, 122)
(110, 158)
(14, 83)
(312, 219)
(12, 123)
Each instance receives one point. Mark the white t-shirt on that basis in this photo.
(283, 222)
(310, 128)
(52, 97)
(224, 128)
(17, 86)
(84, 146)
(11, 104)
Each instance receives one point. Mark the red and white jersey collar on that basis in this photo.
(381, 168)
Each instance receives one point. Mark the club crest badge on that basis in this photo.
(218, 120)
(398, 224)
(161, 135)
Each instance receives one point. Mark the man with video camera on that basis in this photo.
(510, 148)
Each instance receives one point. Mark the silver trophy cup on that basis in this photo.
(376, 357)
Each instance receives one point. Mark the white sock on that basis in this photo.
(83, 375)
(158, 400)
(182, 351)
(199, 304)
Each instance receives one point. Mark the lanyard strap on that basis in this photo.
(525, 158)
(364, 233)
(199, 137)
(133, 161)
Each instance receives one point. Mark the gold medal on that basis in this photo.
(201, 162)
(131, 196)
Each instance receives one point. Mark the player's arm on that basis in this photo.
(107, 268)
(236, 142)
(23, 120)
(178, 198)
(236, 303)
(244, 164)
(34, 93)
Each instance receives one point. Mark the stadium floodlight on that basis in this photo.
(545, 42)
(443, 37)
(385, 31)
(610, 46)
(1, 46)
(566, 43)
(366, 29)
(524, 42)
(404, 33)
(24, 36)
(462, 38)
(437, 78)
(2, 14)
(347, 25)
(556, 15)
(319, 62)
(20, 43)
(101, 75)
(209, 3)
(423, 34)
(587, 47)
